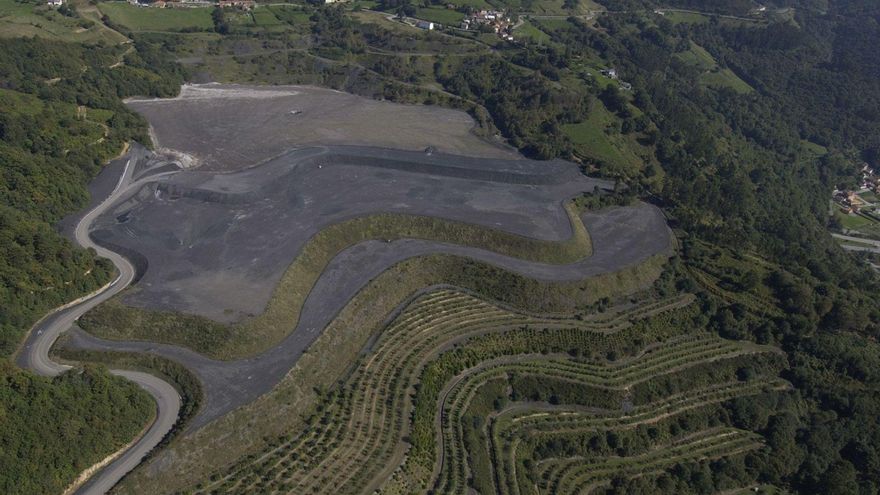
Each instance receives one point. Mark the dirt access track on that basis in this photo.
(216, 243)
(228, 127)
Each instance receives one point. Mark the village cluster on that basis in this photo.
(853, 202)
(162, 4)
(494, 20)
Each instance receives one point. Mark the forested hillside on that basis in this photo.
(61, 118)
(740, 173)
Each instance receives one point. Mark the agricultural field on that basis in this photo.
(725, 78)
(440, 15)
(151, 19)
(856, 223)
(598, 138)
(477, 4)
(712, 74)
(291, 15)
(35, 18)
(698, 57)
(529, 31)
(547, 7)
(677, 17)
(270, 18)
(549, 24)
(505, 401)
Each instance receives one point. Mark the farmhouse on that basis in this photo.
(425, 25)
(55, 3)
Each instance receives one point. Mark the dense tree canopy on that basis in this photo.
(53, 429)
(61, 118)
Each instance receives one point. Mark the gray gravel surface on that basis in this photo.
(248, 226)
(228, 126)
(217, 244)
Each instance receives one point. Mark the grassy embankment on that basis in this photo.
(117, 321)
(529, 31)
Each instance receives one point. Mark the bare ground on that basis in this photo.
(228, 127)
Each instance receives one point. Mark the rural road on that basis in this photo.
(850, 247)
(168, 405)
(34, 355)
(860, 240)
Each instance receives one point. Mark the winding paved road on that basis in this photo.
(35, 353)
(869, 244)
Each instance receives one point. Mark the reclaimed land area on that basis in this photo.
(244, 229)
(274, 292)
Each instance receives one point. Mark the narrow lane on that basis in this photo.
(34, 355)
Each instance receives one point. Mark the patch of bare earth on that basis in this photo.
(228, 127)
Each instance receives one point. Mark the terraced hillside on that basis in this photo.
(458, 393)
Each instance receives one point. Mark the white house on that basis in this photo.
(610, 73)
(55, 3)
